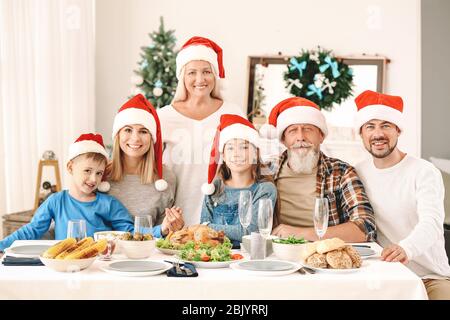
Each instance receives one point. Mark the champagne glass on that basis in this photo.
(320, 217)
(76, 229)
(142, 226)
(245, 209)
(265, 220)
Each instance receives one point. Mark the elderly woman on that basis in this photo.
(190, 121)
(136, 172)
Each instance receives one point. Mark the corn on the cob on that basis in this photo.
(61, 246)
(89, 252)
(80, 245)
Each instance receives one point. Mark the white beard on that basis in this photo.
(303, 160)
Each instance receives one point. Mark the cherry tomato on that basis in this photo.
(205, 258)
(236, 256)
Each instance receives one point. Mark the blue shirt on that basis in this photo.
(221, 211)
(102, 214)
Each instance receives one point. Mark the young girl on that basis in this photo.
(237, 141)
(135, 174)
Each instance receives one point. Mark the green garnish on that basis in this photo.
(291, 240)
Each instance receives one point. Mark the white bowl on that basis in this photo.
(137, 249)
(115, 235)
(288, 251)
(247, 246)
(68, 265)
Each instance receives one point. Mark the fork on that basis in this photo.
(187, 270)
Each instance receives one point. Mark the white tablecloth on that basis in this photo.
(376, 280)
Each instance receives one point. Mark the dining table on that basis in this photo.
(375, 279)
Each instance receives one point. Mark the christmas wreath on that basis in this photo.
(318, 76)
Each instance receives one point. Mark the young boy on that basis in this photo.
(87, 161)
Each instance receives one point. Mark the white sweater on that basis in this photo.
(187, 152)
(408, 200)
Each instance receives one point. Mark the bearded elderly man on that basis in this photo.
(304, 173)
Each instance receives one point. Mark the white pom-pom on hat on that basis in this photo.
(268, 131)
(161, 185)
(104, 186)
(208, 188)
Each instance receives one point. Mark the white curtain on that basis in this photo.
(47, 83)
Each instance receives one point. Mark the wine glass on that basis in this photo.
(76, 229)
(265, 220)
(245, 209)
(142, 226)
(320, 217)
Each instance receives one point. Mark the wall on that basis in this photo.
(255, 27)
(435, 78)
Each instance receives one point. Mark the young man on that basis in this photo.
(305, 173)
(406, 193)
(87, 161)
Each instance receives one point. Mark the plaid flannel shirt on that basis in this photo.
(340, 184)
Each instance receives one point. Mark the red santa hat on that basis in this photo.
(374, 105)
(139, 110)
(293, 111)
(87, 142)
(231, 127)
(199, 48)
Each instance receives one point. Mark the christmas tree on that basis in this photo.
(156, 78)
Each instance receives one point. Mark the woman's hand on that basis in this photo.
(173, 220)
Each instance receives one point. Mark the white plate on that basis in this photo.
(167, 266)
(168, 251)
(363, 265)
(137, 266)
(212, 265)
(295, 266)
(365, 252)
(27, 251)
(266, 265)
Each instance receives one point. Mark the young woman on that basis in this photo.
(136, 171)
(237, 141)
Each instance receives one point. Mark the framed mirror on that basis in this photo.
(267, 87)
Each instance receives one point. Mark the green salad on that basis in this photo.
(291, 240)
(204, 252)
(166, 244)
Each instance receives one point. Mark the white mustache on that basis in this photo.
(301, 144)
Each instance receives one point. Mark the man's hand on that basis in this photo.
(394, 253)
(173, 220)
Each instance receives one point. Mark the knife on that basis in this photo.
(361, 246)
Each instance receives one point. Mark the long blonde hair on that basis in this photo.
(181, 91)
(147, 165)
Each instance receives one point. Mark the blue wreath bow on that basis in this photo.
(314, 90)
(296, 65)
(333, 65)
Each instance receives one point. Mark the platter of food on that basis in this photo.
(332, 256)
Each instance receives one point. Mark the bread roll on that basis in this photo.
(339, 259)
(354, 255)
(309, 250)
(317, 260)
(328, 245)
